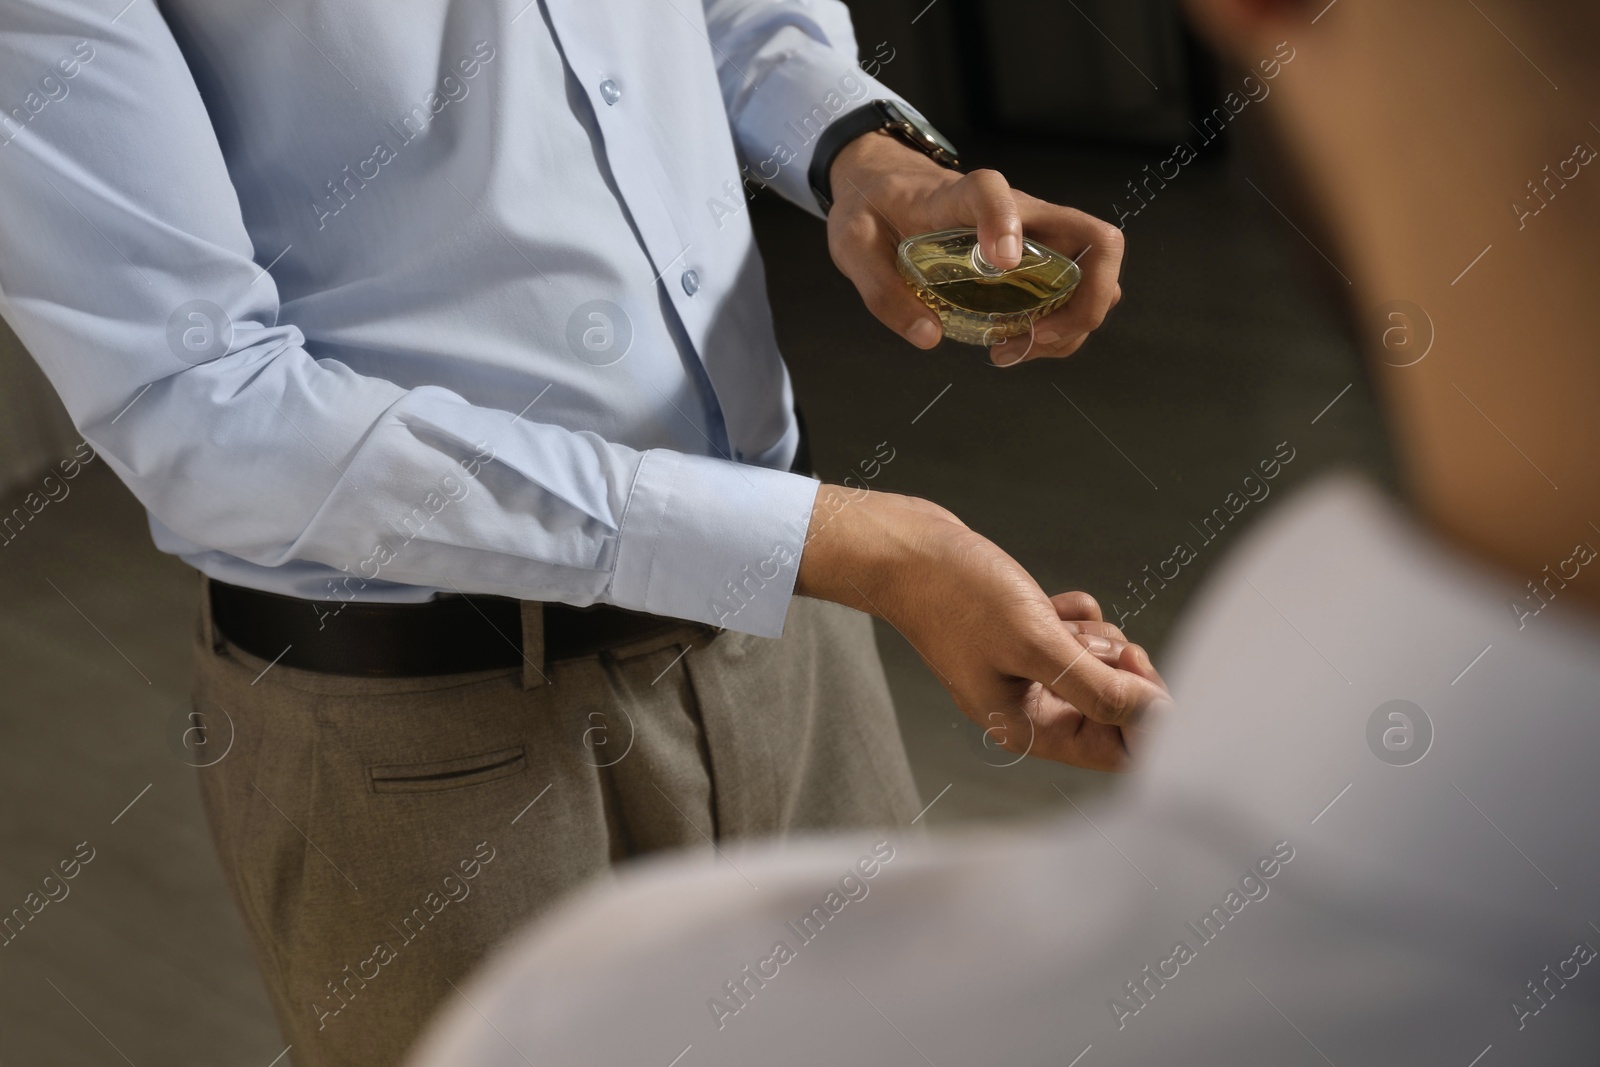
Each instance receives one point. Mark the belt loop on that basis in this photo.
(208, 632)
(533, 674)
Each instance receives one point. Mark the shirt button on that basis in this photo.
(691, 282)
(609, 90)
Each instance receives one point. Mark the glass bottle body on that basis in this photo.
(978, 303)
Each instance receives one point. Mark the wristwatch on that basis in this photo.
(888, 116)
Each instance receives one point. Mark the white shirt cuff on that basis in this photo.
(798, 97)
(712, 541)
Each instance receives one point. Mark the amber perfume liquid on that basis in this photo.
(978, 303)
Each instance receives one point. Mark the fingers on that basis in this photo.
(1058, 731)
(986, 201)
(1089, 699)
(1134, 658)
(1094, 629)
(1097, 247)
(864, 251)
(1080, 614)
(1026, 719)
(1154, 717)
(1081, 617)
(1009, 351)
(1076, 604)
(1103, 693)
(1105, 649)
(1103, 640)
(1103, 748)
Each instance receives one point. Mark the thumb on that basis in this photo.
(985, 200)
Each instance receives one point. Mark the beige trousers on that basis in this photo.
(380, 835)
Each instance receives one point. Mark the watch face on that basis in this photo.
(911, 118)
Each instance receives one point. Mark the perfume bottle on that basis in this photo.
(978, 302)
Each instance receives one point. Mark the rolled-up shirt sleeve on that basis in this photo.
(127, 271)
(787, 68)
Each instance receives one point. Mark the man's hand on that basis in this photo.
(884, 191)
(1041, 676)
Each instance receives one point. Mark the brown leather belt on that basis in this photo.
(446, 635)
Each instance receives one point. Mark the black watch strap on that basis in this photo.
(878, 115)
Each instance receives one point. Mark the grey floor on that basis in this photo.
(1085, 471)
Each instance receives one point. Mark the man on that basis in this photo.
(419, 330)
(1368, 837)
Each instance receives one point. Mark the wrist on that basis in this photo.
(862, 164)
(858, 545)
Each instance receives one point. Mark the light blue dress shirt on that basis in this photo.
(375, 301)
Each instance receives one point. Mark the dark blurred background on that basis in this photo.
(1085, 470)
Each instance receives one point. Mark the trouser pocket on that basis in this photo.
(448, 774)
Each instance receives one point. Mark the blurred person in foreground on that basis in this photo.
(1368, 835)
